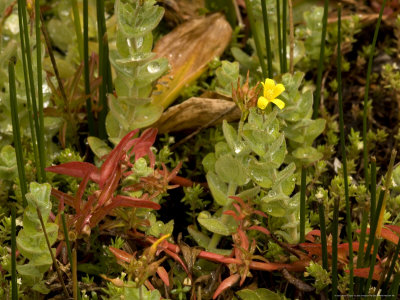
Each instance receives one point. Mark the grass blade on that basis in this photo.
(27, 90)
(278, 22)
(25, 30)
(16, 131)
(317, 98)
(392, 265)
(335, 223)
(372, 264)
(267, 38)
(321, 211)
(366, 92)
(256, 38)
(284, 35)
(40, 132)
(78, 29)
(373, 187)
(104, 71)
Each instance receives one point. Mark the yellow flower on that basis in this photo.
(271, 91)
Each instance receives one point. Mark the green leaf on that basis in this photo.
(218, 188)
(231, 137)
(8, 163)
(275, 204)
(98, 146)
(227, 75)
(307, 155)
(209, 162)
(213, 224)
(258, 294)
(260, 172)
(201, 239)
(230, 169)
(31, 241)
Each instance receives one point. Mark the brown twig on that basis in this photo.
(51, 253)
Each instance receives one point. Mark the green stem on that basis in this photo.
(65, 229)
(51, 252)
(303, 205)
(267, 38)
(321, 61)
(284, 35)
(373, 188)
(16, 131)
(25, 29)
(103, 67)
(40, 133)
(366, 92)
(335, 223)
(372, 264)
(343, 150)
(324, 244)
(27, 91)
(90, 117)
(78, 29)
(278, 22)
(256, 38)
(14, 284)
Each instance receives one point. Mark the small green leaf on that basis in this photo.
(230, 169)
(213, 224)
(307, 155)
(218, 188)
(99, 147)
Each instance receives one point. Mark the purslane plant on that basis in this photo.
(136, 67)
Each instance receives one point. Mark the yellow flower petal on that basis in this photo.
(279, 103)
(262, 102)
(269, 84)
(278, 89)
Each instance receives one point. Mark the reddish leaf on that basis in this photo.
(76, 169)
(63, 197)
(227, 283)
(388, 234)
(111, 186)
(121, 255)
(394, 228)
(111, 163)
(310, 235)
(163, 275)
(260, 229)
(364, 272)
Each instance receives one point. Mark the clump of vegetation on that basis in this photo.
(279, 159)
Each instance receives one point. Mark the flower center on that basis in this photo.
(269, 94)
